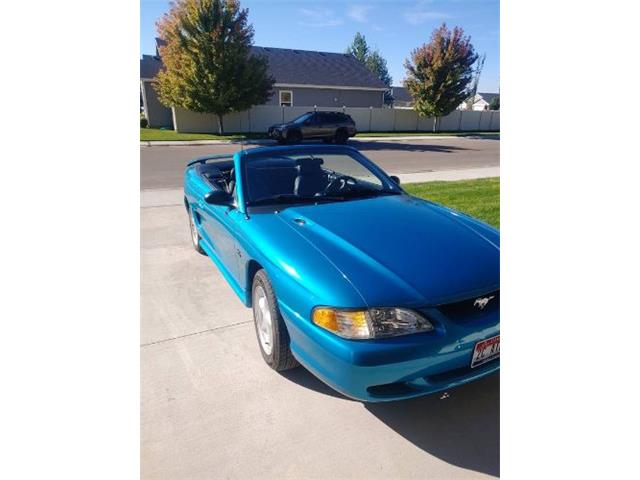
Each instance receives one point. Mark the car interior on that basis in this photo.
(282, 176)
(271, 176)
(220, 175)
(286, 176)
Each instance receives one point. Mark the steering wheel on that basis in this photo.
(340, 183)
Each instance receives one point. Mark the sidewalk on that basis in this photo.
(449, 175)
(359, 138)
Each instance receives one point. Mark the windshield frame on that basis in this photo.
(245, 157)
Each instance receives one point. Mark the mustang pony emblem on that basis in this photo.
(482, 302)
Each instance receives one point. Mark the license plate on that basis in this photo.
(485, 351)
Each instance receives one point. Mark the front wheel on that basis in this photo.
(341, 137)
(294, 136)
(195, 236)
(271, 330)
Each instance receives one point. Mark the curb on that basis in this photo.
(180, 143)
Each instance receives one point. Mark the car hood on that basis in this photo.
(401, 250)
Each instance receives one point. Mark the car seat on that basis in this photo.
(311, 178)
(232, 181)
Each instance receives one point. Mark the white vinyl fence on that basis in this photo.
(258, 119)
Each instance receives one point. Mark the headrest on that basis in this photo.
(309, 163)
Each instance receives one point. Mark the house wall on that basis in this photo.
(260, 118)
(157, 114)
(480, 105)
(160, 116)
(329, 97)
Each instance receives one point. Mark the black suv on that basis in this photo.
(329, 126)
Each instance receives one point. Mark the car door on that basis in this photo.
(328, 125)
(219, 225)
(312, 126)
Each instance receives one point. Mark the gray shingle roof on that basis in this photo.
(149, 66)
(303, 67)
(487, 97)
(317, 68)
(401, 94)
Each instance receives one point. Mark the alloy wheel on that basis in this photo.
(262, 314)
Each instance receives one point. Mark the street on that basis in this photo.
(211, 407)
(162, 167)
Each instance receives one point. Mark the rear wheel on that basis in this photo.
(195, 236)
(341, 136)
(271, 330)
(294, 136)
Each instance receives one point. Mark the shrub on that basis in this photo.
(143, 121)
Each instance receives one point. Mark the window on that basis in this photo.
(286, 98)
(310, 177)
(302, 118)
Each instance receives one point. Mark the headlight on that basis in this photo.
(371, 323)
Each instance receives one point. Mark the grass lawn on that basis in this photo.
(156, 134)
(479, 198)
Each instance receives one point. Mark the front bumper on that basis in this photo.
(393, 368)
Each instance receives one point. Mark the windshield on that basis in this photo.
(302, 117)
(311, 178)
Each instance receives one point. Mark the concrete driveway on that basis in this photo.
(211, 408)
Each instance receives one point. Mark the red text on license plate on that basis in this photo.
(485, 351)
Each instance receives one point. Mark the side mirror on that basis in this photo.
(218, 197)
(395, 179)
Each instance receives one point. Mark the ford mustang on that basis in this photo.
(381, 295)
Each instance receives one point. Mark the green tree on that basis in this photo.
(359, 48)
(439, 72)
(494, 104)
(208, 65)
(373, 60)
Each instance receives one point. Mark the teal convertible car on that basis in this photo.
(381, 295)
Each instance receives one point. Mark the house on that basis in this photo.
(480, 102)
(302, 78)
(401, 97)
(156, 114)
(307, 78)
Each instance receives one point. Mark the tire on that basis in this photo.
(341, 137)
(195, 236)
(271, 331)
(294, 136)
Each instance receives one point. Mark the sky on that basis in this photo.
(395, 28)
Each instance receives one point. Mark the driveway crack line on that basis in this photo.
(195, 333)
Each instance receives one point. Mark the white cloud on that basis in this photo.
(318, 17)
(416, 18)
(420, 13)
(359, 13)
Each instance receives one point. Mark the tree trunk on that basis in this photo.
(220, 125)
(435, 123)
